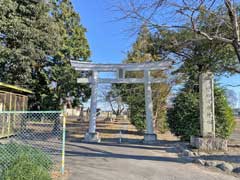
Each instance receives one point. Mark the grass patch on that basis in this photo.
(21, 162)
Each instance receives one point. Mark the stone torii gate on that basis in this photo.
(120, 70)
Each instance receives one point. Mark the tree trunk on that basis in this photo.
(236, 46)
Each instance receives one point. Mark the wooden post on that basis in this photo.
(9, 115)
(4, 109)
(23, 103)
(4, 104)
(15, 108)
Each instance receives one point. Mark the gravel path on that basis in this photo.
(112, 161)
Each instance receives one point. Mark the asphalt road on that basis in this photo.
(112, 161)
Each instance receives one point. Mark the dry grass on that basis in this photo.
(57, 175)
(114, 130)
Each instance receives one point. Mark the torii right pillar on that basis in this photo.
(150, 136)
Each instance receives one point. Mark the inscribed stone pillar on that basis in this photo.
(207, 115)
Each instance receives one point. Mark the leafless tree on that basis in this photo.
(116, 103)
(187, 14)
(113, 98)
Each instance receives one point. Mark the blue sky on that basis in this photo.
(108, 39)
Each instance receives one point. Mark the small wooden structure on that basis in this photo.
(12, 98)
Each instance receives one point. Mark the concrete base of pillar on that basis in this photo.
(150, 138)
(92, 137)
(209, 143)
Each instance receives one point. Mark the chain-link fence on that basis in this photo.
(38, 137)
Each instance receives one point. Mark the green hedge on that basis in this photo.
(184, 117)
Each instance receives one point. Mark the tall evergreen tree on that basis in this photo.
(37, 41)
(28, 37)
(75, 47)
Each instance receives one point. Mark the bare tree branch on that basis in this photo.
(147, 12)
(232, 69)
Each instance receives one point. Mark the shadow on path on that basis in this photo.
(228, 158)
(168, 147)
(83, 150)
(124, 156)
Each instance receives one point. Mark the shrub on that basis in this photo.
(19, 162)
(225, 121)
(24, 168)
(184, 117)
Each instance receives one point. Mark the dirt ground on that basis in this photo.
(235, 137)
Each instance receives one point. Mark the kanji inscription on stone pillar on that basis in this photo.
(207, 114)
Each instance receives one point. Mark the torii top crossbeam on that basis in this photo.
(120, 70)
(85, 66)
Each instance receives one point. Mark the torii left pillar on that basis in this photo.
(92, 135)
